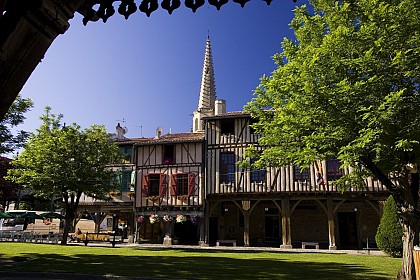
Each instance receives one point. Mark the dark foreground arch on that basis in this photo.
(28, 28)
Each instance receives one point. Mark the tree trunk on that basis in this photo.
(407, 271)
(406, 196)
(69, 218)
(67, 225)
(410, 221)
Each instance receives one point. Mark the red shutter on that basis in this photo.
(145, 185)
(162, 185)
(191, 184)
(172, 187)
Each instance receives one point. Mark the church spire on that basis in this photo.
(208, 87)
(207, 97)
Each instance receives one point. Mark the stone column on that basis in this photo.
(285, 224)
(246, 227)
(202, 229)
(27, 29)
(246, 206)
(331, 230)
(167, 240)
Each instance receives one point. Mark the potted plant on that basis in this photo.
(180, 218)
(154, 219)
(175, 240)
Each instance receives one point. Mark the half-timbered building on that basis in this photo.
(116, 212)
(190, 189)
(170, 188)
(286, 206)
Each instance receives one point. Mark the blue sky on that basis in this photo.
(147, 70)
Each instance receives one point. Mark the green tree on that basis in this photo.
(65, 161)
(348, 87)
(10, 141)
(389, 234)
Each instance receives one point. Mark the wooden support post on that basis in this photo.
(285, 224)
(246, 206)
(331, 231)
(246, 227)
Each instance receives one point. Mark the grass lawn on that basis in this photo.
(193, 264)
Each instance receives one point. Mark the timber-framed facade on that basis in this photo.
(188, 188)
(281, 206)
(170, 185)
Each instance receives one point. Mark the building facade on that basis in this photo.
(187, 188)
(280, 207)
(170, 187)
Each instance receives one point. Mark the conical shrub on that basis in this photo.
(390, 232)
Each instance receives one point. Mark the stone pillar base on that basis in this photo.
(131, 238)
(285, 246)
(202, 244)
(167, 241)
(332, 248)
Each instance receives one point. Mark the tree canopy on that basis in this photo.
(347, 87)
(66, 161)
(10, 141)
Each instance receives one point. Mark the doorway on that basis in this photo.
(272, 231)
(213, 230)
(348, 231)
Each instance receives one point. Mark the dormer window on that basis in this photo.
(168, 154)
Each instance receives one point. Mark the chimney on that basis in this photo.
(220, 107)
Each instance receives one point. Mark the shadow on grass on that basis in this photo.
(203, 266)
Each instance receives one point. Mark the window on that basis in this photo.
(154, 184)
(300, 174)
(127, 151)
(125, 180)
(334, 171)
(227, 167)
(182, 184)
(227, 126)
(252, 121)
(257, 175)
(168, 153)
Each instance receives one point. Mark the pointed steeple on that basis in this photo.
(207, 97)
(208, 87)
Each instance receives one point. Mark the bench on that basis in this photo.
(233, 242)
(100, 237)
(315, 244)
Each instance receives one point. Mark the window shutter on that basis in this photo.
(145, 185)
(191, 184)
(172, 187)
(162, 185)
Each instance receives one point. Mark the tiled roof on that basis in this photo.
(132, 141)
(176, 137)
(229, 115)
